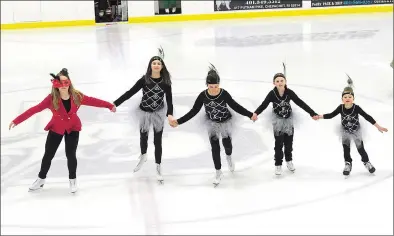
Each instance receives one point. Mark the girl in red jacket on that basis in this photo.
(64, 102)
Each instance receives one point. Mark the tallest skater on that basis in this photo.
(155, 85)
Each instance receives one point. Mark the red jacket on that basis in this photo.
(61, 120)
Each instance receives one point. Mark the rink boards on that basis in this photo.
(82, 13)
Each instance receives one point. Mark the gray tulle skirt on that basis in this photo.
(347, 137)
(282, 125)
(223, 129)
(147, 119)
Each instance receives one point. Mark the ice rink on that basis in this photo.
(105, 61)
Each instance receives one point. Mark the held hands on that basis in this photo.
(172, 121)
(113, 109)
(317, 117)
(254, 117)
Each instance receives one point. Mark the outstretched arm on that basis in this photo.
(236, 107)
(371, 120)
(127, 95)
(264, 104)
(95, 102)
(195, 109)
(46, 103)
(366, 116)
(302, 104)
(332, 114)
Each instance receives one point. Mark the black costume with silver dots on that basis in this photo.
(219, 120)
(351, 130)
(152, 111)
(282, 120)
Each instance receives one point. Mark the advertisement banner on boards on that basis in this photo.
(342, 3)
(236, 5)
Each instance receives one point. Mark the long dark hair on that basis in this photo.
(164, 73)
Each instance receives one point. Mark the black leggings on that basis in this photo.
(286, 141)
(360, 149)
(51, 146)
(157, 141)
(228, 149)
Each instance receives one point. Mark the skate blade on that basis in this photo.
(278, 176)
(161, 182)
(34, 190)
(139, 166)
(137, 169)
(215, 185)
(347, 176)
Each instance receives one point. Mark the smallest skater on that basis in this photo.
(351, 128)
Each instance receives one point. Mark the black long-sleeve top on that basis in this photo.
(215, 107)
(350, 120)
(152, 95)
(281, 104)
(67, 104)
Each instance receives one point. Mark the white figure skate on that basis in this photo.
(143, 159)
(218, 178)
(160, 179)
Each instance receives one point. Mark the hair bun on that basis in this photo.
(64, 71)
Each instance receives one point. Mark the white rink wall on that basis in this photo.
(55, 11)
(45, 11)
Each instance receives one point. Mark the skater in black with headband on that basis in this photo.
(351, 129)
(156, 89)
(219, 119)
(282, 119)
